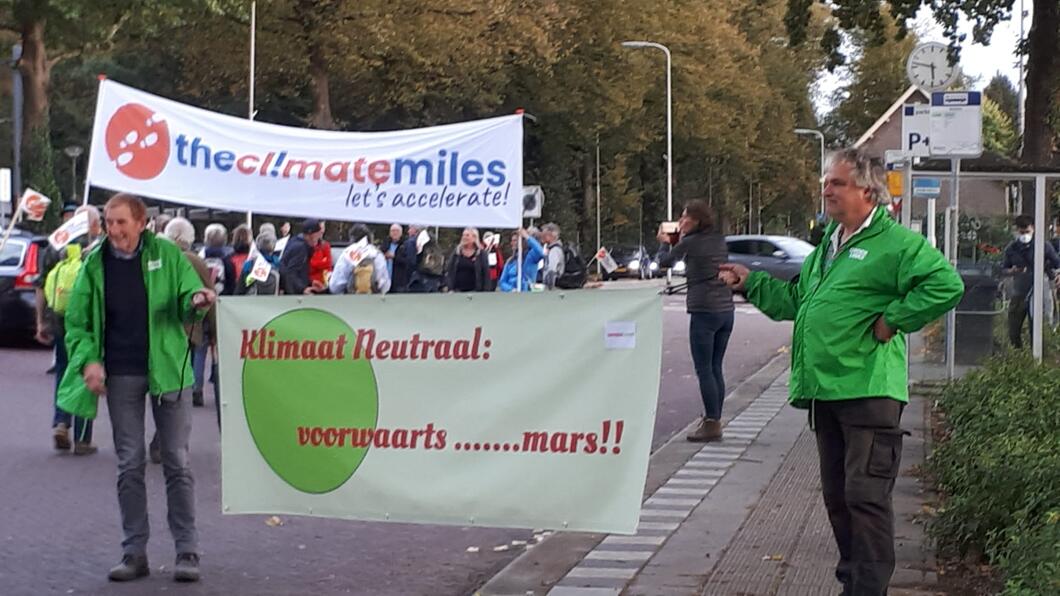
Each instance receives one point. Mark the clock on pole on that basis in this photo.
(929, 68)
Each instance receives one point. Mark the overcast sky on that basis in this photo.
(976, 60)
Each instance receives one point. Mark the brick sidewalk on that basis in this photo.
(744, 517)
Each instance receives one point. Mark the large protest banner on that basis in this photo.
(452, 175)
(531, 411)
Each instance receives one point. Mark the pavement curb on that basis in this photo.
(536, 571)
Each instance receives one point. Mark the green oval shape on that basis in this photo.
(282, 395)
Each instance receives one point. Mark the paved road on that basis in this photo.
(59, 530)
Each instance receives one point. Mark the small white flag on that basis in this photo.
(34, 204)
(261, 269)
(355, 252)
(606, 260)
(74, 228)
(422, 240)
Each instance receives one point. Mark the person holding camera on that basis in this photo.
(709, 306)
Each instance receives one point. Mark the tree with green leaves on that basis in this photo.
(1042, 47)
(1001, 91)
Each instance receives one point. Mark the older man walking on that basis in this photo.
(126, 339)
(868, 283)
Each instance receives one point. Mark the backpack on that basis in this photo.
(269, 287)
(362, 281)
(432, 261)
(574, 272)
(60, 280)
(216, 265)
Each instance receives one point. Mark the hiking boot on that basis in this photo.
(131, 567)
(196, 399)
(61, 435)
(707, 431)
(187, 568)
(84, 448)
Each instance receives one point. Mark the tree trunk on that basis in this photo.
(588, 201)
(318, 73)
(36, 77)
(1043, 82)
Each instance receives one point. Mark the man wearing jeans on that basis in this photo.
(126, 339)
(868, 283)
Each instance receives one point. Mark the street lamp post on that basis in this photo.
(820, 137)
(73, 152)
(669, 123)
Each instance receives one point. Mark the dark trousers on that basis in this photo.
(859, 443)
(82, 427)
(708, 336)
(1017, 313)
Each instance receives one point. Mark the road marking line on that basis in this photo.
(628, 540)
(678, 491)
(603, 572)
(665, 502)
(622, 556)
(667, 526)
(671, 513)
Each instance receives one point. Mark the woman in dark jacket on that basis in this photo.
(468, 267)
(709, 305)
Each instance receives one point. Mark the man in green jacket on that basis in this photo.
(868, 283)
(126, 339)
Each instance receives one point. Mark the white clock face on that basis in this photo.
(929, 67)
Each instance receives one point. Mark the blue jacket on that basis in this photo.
(510, 276)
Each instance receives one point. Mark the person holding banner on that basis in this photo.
(405, 260)
(391, 246)
(260, 277)
(709, 305)
(55, 284)
(126, 339)
(533, 253)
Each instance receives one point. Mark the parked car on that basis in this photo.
(780, 256)
(19, 270)
(633, 261)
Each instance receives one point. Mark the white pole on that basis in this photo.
(598, 271)
(931, 209)
(821, 138)
(1037, 302)
(669, 140)
(250, 102)
(952, 235)
(1020, 112)
(750, 203)
(519, 262)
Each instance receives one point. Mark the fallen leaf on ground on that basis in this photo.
(273, 521)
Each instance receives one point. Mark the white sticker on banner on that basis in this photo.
(620, 335)
(463, 174)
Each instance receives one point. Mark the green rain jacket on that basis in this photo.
(170, 281)
(885, 269)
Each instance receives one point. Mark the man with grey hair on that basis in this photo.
(869, 282)
(555, 261)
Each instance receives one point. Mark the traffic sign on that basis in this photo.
(916, 129)
(956, 124)
(927, 188)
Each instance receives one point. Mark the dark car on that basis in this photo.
(780, 256)
(19, 271)
(633, 261)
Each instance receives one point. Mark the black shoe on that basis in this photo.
(187, 568)
(196, 399)
(131, 567)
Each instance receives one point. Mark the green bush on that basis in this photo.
(997, 466)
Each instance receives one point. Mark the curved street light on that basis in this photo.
(669, 122)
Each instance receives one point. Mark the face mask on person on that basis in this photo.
(1025, 238)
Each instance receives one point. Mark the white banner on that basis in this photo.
(467, 174)
(530, 411)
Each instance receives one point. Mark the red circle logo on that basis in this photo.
(138, 141)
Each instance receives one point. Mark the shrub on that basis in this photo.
(998, 468)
